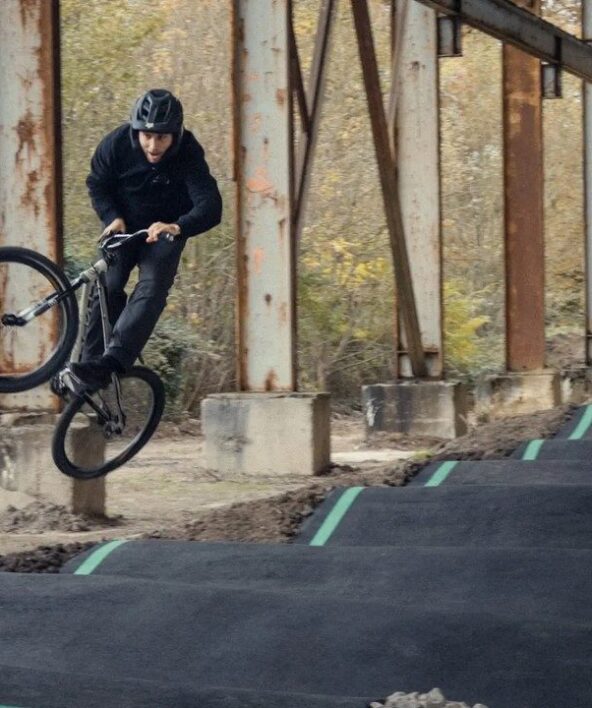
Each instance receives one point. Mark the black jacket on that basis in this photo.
(179, 189)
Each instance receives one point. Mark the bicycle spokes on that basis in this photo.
(29, 325)
(115, 415)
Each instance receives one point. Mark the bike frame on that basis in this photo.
(86, 280)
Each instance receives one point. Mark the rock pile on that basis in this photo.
(434, 699)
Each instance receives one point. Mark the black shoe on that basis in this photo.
(94, 374)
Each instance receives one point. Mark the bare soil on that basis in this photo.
(163, 494)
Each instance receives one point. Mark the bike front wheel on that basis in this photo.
(99, 432)
(38, 319)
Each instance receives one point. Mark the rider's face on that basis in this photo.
(155, 145)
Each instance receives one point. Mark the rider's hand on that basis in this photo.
(117, 226)
(159, 228)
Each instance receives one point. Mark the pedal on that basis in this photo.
(65, 382)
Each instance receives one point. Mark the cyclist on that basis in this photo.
(149, 174)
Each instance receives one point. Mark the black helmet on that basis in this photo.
(157, 111)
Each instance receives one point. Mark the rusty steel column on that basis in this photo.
(263, 172)
(417, 156)
(523, 192)
(30, 155)
(587, 99)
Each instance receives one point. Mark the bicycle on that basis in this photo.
(37, 300)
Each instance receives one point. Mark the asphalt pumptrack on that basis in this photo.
(475, 577)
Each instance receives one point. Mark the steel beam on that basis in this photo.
(417, 152)
(389, 185)
(516, 26)
(30, 155)
(263, 170)
(587, 99)
(312, 105)
(523, 192)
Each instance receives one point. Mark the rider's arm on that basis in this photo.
(101, 182)
(203, 192)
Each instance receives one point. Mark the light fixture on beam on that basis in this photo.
(449, 36)
(551, 80)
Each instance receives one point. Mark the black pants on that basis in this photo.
(133, 319)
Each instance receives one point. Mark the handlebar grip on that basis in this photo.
(168, 236)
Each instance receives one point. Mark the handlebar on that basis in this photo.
(112, 242)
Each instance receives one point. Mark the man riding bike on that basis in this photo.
(149, 174)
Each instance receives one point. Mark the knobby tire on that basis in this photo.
(60, 454)
(69, 320)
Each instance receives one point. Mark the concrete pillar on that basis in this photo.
(429, 408)
(270, 434)
(26, 465)
(267, 427)
(30, 164)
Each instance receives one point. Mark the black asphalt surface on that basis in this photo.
(507, 472)
(579, 427)
(475, 578)
(552, 582)
(536, 516)
(37, 687)
(559, 449)
(289, 642)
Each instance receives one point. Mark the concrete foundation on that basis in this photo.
(576, 385)
(431, 408)
(512, 394)
(267, 433)
(26, 465)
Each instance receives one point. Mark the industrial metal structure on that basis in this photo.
(273, 177)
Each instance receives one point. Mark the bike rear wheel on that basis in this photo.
(89, 440)
(31, 353)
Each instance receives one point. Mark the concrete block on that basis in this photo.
(267, 433)
(516, 393)
(576, 384)
(431, 408)
(26, 465)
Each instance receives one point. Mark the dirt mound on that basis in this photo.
(277, 519)
(44, 559)
(39, 516)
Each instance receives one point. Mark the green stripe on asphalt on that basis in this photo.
(441, 473)
(532, 449)
(582, 427)
(97, 557)
(335, 516)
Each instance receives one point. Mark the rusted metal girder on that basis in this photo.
(310, 108)
(523, 192)
(587, 109)
(414, 128)
(390, 188)
(514, 25)
(30, 154)
(266, 323)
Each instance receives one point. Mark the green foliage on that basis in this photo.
(469, 350)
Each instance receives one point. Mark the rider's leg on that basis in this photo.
(158, 263)
(116, 279)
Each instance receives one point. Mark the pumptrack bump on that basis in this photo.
(474, 578)
(549, 516)
(289, 643)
